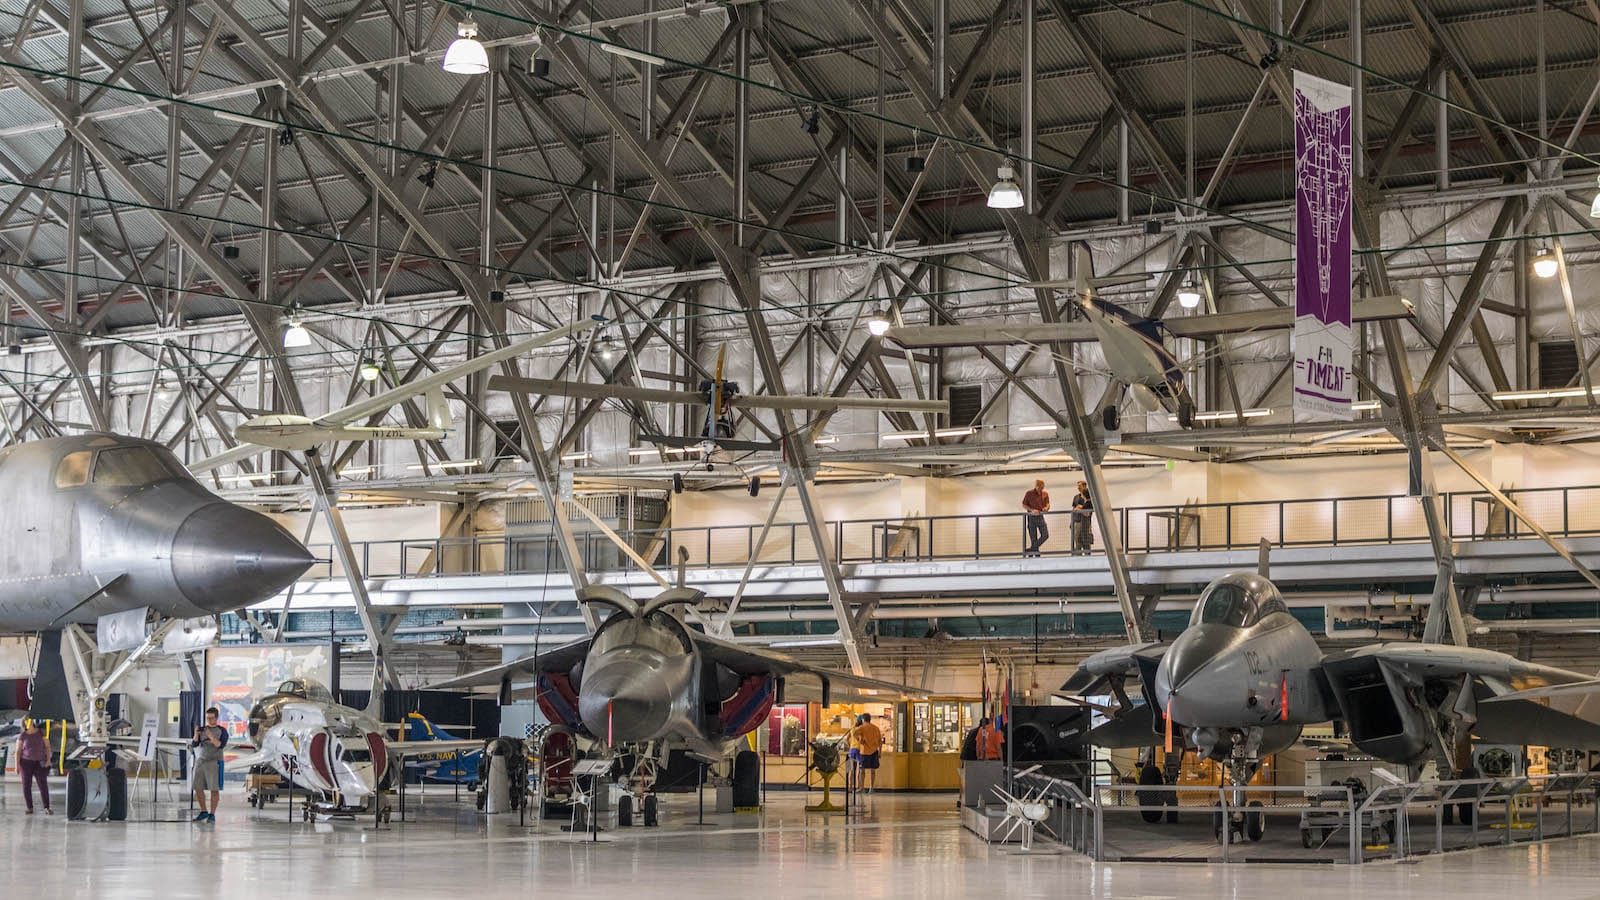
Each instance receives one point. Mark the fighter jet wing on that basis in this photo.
(1503, 673)
(557, 659)
(753, 661)
(1094, 671)
(1588, 686)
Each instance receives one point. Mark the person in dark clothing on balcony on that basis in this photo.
(1035, 504)
(1082, 521)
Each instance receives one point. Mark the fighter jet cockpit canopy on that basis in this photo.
(306, 689)
(1238, 600)
(268, 711)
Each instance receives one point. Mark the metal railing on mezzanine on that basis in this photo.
(1236, 525)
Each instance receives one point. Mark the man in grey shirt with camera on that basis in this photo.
(209, 741)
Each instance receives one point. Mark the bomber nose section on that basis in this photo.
(1193, 681)
(628, 699)
(225, 557)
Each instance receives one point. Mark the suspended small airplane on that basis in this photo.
(1133, 344)
(720, 397)
(281, 431)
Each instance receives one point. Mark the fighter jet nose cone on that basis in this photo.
(623, 703)
(225, 557)
(1196, 678)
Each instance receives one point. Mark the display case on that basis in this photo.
(938, 726)
(785, 731)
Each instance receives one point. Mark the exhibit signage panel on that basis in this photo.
(1324, 382)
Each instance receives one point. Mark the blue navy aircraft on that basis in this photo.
(97, 524)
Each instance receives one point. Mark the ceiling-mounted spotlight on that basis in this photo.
(1005, 194)
(808, 122)
(1188, 294)
(296, 335)
(370, 370)
(285, 137)
(878, 325)
(538, 67)
(915, 164)
(1544, 263)
(466, 54)
(428, 174)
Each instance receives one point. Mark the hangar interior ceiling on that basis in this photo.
(753, 181)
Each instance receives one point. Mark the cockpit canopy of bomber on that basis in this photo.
(117, 465)
(1238, 600)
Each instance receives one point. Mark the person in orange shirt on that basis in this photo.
(867, 738)
(991, 740)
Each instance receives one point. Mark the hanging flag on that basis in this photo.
(1323, 380)
(1283, 696)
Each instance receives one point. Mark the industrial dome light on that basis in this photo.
(1005, 194)
(1544, 263)
(369, 370)
(878, 325)
(296, 335)
(1188, 295)
(466, 55)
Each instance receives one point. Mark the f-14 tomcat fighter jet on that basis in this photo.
(1242, 680)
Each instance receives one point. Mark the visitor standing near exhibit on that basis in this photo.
(33, 762)
(867, 738)
(1082, 521)
(1035, 504)
(209, 741)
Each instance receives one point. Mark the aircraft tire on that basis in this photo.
(75, 794)
(677, 483)
(1150, 775)
(117, 795)
(755, 485)
(1255, 823)
(1185, 414)
(1111, 418)
(652, 813)
(625, 811)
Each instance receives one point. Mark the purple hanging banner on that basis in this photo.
(1323, 381)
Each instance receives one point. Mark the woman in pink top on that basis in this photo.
(33, 761)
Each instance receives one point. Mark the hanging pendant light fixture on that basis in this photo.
(1005, 194)
(466, 54)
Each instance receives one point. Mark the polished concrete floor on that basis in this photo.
(904, 846)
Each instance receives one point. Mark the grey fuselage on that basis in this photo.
(100, 523)
(642, 682)
(1241, 655)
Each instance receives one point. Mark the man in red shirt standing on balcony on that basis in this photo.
(1035, 504)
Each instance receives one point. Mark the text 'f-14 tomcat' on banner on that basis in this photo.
(1324, 383)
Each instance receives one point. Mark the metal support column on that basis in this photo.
(328, 502)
